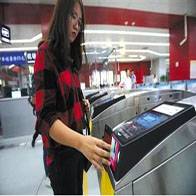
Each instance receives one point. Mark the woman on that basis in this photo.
(59, 101)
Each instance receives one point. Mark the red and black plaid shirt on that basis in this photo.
(57, 96)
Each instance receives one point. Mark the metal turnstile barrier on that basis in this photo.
(136, 102)
(153, 98)
(168, 166)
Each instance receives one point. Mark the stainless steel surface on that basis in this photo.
(176, 175)
(117, 92)
(16, 116)
(151, 99)
(137, 101)
(190, 100)
(168, 169)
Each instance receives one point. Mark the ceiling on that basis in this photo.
(130, 30)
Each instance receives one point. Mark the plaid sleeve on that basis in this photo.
(45, 92)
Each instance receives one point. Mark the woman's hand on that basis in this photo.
(96, 151)
(87, 104)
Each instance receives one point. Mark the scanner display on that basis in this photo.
(139, 125)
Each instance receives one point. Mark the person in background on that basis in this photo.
(126, 83)
(60, 104)
(133, 79)
(154, 80)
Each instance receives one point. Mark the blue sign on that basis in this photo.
(5, 34)
(9, 58)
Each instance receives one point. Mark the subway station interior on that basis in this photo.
(151, 126)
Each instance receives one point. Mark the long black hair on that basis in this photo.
(58, 37)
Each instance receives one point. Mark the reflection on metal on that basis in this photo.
(169, 168)
(189, 100)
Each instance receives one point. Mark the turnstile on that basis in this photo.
(91, 94)
(151, 99)
(97, 96)
(155, 152)
(136, 102)
(112, 111)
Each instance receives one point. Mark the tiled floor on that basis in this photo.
(22, 170)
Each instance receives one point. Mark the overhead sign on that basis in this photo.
(5, 34)
(31, 55)
(9, 58)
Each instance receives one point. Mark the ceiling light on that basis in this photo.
(89, 53)
(110, 57)
(146, 43)
(118, 58)
(18, 49)
(146, 51)
(126, 43)
(133, 56)
(126, 33)
(35, 38)
(128, 59)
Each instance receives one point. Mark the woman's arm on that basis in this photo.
(95, 150)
